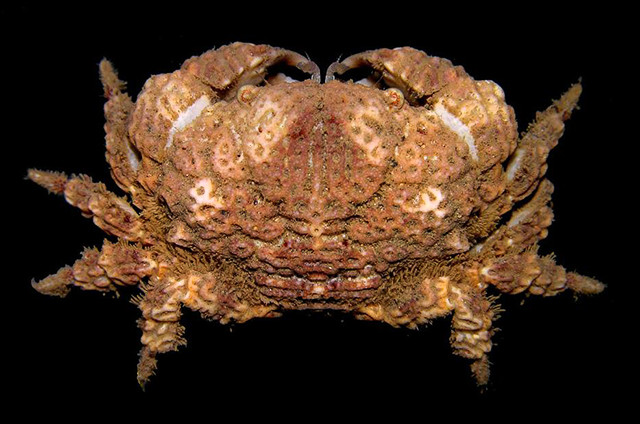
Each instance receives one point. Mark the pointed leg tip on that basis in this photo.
(575, 90)
(480, 370)
(105, 66)
(584, 285)
(109, 78)
(569, 101)
(54, 182)
(146, 366)
(56, 284)
(142, 382)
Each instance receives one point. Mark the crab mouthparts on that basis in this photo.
(338, 287)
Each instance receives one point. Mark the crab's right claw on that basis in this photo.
(230, 67)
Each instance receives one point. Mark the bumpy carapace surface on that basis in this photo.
(396, 189)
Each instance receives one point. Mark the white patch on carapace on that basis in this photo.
(187, 116)
(428, 201)
(518, 217)
(134, 162)
(203, 194)
(514, 164)
(458, 127)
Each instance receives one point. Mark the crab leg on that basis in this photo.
(539, 275)
(161, 305)
(473, 314)
(471, 328)
(511, 262)
(122, 155)
(523, 175)
(115, 265)
(527, 164)
(526, 226)
(160, 323)
(111, 213)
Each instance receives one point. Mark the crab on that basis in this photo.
(396, 189)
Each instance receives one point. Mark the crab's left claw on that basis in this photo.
(412, 71)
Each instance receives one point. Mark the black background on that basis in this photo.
(558, 352)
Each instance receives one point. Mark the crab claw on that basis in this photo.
(412, 71)
(238, 64)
